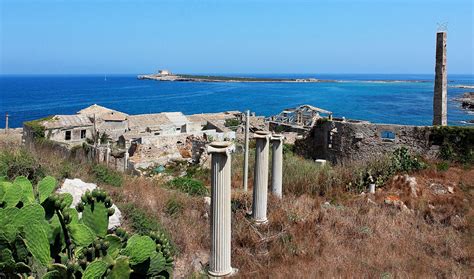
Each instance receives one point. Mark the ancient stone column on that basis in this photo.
(246, 151)
(219, 264)
(260, 186)
(277, 165)
(441, 81)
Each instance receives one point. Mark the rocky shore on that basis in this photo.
(467, 101)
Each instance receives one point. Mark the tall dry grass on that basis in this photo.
(306, 238)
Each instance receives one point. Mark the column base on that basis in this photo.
(261, 222)
(232, 272)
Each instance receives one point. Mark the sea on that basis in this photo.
(379, 98)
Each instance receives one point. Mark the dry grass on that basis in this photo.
(306, 238)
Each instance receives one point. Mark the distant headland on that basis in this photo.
(166, 75)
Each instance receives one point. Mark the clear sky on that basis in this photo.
(230, 36)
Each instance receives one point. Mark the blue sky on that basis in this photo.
(333, 36)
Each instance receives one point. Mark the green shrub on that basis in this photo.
(288, 148)
(233, 122)
(442, 166)
(456, 143)
(37, 127)
(41, 235)
(403, 161)
(188, 185)
(20, 163)
(173, 207)
(66, 170)
(107, 176)
(198, 172)
(139, 220)
(381, 170)
(279, 129)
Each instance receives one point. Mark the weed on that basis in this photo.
(188, 185)
(138, 219)
(107, 176)
(442, 166)
(173, 207)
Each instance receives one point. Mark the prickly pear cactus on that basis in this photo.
(96, 209)
(42, 235)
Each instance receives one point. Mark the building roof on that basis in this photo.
(176, 118)
(309, 107)
(147, 120)
(206, 117)
(103, 113)
(67, 121)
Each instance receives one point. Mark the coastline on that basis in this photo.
(230, 79)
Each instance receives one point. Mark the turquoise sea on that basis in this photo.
(367, 97)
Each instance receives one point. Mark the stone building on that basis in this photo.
(64, 129)
(340, 140)
(134, 141)
(165, 123)
(111, 122)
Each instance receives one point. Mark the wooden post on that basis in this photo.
(6, 123)
(246, 151)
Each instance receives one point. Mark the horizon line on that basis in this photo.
(223, 73)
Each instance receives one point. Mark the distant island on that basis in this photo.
(165, 75)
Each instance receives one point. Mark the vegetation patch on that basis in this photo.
(107, 176)
(232, 123)
(456, 143)
(173, 207)
(20, 162)
(189, 186)
(42, 236)
(37, 127)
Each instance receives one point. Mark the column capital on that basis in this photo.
(277, 137)
(262, 135)
(226, 147)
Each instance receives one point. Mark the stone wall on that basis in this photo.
(338, 141)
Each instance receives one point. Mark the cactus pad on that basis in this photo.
(36, 240)
(27, 189)
(12, 194)
(45, 187)
(115, 244)
(121, 269)
(7, 215)
(139, 248)
(95, 216)
(95, 270)
(81, 234)
(8, 233)
(29, 213)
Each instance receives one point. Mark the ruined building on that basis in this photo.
(338, 139)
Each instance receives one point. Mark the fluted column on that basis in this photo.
(219, 264)
(260, 186)
(277, 165)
